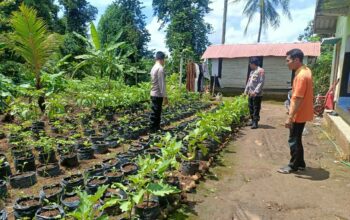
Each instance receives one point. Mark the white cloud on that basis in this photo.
(100, 3)
(236, 23)
(157, 36)
(302, 12)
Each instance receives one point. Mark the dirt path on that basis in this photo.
(246, 186)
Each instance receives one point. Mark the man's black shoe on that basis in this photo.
(254, 125)
(301, 168)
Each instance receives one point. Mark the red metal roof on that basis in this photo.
(260, 49)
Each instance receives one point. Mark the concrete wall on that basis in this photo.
(277, 75)
(343, 31)
(234, 72)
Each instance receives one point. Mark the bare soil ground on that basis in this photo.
(244, 185)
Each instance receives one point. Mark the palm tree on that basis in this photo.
(268, 12)
(32, 42)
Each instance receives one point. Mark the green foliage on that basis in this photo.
(186, 25)
(144, 183)
(108, 60)
(268, 13)
(31, 40)
(47, 10)
(87, 209)
(125, 15)
(322, 68)
(77, 14)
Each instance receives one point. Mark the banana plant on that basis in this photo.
(33, 43)
(108, 60)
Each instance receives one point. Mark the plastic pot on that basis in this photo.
(26, 207)
(3, 189)
(100, 147)
(69, 160)
(86, 153)
(96, 138)
(111, 163)
(190, 167)
(201, 156)
(88, 132)
(95, 170)
(3, 215)
(113, 142)
(23, 180)
(51, 193)
(109, 194)
(93, 183)
(125, 157)
(49, 157)
(148, 210)
(19, 152)
(70, 201)
(51, 212)
(26, 163)
(49, 170)
(129, 168)
(5, 170)
(114, 176)
(153, 152)
(71, 182)
(136, 149)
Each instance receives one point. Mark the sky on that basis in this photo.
(302, 12)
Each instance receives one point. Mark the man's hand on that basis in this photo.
(288, 123)
(165, 101)
(252, 94)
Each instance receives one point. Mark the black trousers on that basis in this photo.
(254, 107)
(155, 117)
(296, 145)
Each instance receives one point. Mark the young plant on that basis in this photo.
(195, 141)
(145, 184)
(87, 209)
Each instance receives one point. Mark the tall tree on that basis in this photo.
(186, 25)
(268, 15)
(125, 15)
(78, 13)
(46, 9)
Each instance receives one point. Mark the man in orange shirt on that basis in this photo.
(300, 111)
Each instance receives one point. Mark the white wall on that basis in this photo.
(277, 74)
(234, 72)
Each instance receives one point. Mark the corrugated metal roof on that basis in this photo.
(260, 49)
(326, 15)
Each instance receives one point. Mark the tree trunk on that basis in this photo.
(41, 99)
(223, 37)
(261, 18)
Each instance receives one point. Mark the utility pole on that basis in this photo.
(223, 37)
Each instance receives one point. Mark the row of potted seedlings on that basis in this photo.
(139, 149)
(113, 170)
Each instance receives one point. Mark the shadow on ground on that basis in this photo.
(266, 126)
(315, 174)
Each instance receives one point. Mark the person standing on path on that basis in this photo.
(253, 89)
(158, 91)
(300, 110)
